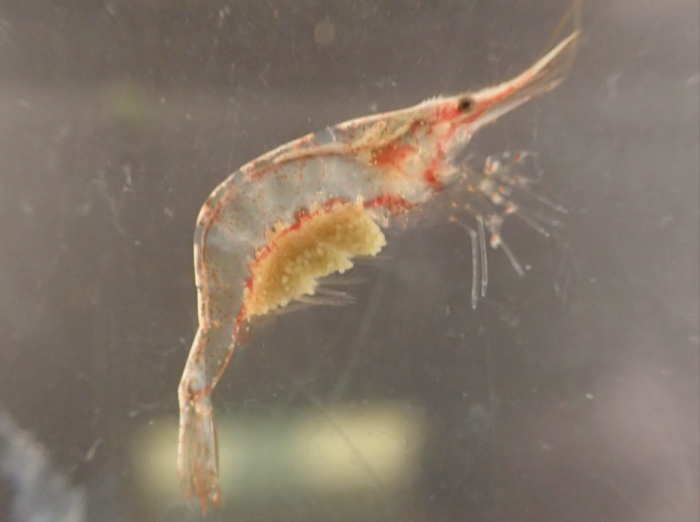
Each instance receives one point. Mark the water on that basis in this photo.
(569, 394)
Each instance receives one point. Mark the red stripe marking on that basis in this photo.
(302, 216)
(447, 112)
(392, 202)
(430, 178)
(392, 154)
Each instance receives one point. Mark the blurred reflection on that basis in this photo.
(339, 452)
(39, 493)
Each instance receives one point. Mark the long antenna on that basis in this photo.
(573, 14)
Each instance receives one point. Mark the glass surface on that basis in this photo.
(570, 394)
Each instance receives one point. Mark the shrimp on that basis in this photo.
(272, 229)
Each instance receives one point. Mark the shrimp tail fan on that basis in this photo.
(198, 460)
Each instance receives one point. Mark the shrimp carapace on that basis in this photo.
(321, 242)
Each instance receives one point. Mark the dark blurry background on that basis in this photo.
(568, 395)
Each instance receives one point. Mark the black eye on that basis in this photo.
(466, 104)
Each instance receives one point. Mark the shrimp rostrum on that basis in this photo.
(271, 230)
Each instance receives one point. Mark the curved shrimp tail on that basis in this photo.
(198, 457)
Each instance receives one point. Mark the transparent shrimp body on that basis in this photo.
(303, 211)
